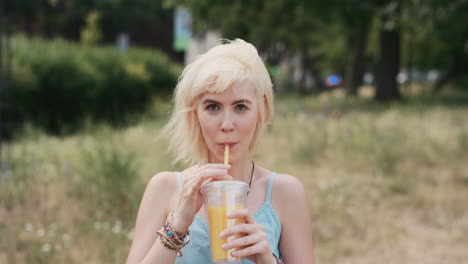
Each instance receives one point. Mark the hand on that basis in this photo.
(191, 198)
(252, 243)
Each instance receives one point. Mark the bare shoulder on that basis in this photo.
(165, 179)
(157, 198)
(162, 185)
(287, 186)
(288, 196)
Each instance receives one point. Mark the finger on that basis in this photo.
(240, 213)
(195, 169)
(191, 170)
(194, 183)
(226, 178)
(204, 174)
(214, 174)
(258, 248)
(242, 228)
(216, 166)
(245, 241)
(249, 219)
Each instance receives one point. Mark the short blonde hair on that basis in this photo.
(214, 72)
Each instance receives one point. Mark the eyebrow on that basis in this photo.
(211, 101)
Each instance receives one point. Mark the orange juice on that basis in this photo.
(220, 198)
(218, 221)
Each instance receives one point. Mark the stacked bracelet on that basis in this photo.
(172, 239)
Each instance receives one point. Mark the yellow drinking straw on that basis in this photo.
(226, 154)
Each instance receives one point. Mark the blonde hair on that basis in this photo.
(214, 72)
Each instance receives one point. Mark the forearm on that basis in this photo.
(159, 254)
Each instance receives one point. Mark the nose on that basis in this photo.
(227, 124)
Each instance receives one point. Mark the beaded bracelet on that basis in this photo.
(172, 239)
(166, 241)
(179, 237)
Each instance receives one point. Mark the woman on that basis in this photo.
(224, 97)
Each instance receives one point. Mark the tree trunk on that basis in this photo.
(454, 70)
(1, 42)
(354, 67)
(389, 58)
(309, 67)
(2, 70)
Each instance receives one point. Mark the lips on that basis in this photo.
(231, 144)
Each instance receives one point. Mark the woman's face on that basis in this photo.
(230, 118)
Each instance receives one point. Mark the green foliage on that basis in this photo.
(369, 143)
(57, 84)
(432, 32)
(16, 176)
(109, 178)
(91, 34)
(55, 17)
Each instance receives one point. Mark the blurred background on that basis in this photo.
(371, 115)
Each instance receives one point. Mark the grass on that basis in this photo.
(384, 182)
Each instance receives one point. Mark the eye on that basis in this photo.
(241, 107)
(212, 107)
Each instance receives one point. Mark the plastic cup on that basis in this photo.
(222, 197)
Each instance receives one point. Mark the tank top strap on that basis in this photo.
(270, 184)
(180, 179)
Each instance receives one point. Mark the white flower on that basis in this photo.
(97, 225)
(66, 240)
(28, 227)
(46, 248)
(117, 227)
(130, 235)
(40, 232)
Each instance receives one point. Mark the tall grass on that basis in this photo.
(384, 183)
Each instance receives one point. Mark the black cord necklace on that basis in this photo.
(251, 176)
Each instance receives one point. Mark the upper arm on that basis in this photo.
(296, 223)
(152, 213)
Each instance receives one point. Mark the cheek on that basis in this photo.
(249, 125)
(207, 125)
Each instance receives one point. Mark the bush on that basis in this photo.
(109, 178)
(56, 84)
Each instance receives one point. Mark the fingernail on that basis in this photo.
(230, 215)
(221, 235)
(225, 246)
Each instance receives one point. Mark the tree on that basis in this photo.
(388, 61)
(356, 18)
(437, 39)
(52, 17)
(280, 29)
